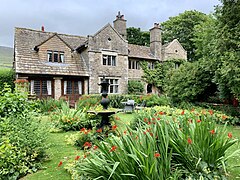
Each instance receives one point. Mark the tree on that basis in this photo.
(136, 36)
(181, 27)
(228, 45)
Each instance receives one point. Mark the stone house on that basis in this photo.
(66, 65)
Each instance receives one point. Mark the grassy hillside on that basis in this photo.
(6, 57)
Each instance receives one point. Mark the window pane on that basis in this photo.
(61, 58)
(69, 87)
(55, 56)
(129, 64)
(116, 89)
(133, 64)
(113, 60)
(111, 89)
(44, 88)
(76, 90)
(109, 60)
(111, 81)
(116, 81)
(49, 56)
(37, 87)
(104, 60)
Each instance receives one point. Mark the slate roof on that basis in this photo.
(27, 60)
(142, 52)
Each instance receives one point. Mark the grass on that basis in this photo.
(59, 150)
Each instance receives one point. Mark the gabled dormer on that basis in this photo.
(54, 50)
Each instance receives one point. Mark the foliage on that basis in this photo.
(198, 146)
(135, 87)
(87, 101)
(48, 105)
(134, 155)
(181, 27)
(6, 76)
(197, 85)
(13, 104)
(136, 36)
(68, 119)
(155, 100)
(22, 141)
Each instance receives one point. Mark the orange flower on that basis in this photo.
(87, 144)
(114, 127)
(182, 113)
(198, 121)
(161, 113)
(189, 141)
(156, 155)
(210, 112)
(153, 119)
(149, 123)
(229, 135)
(99, 130)
(95, 147)
(145, 119)
(212, 131)
(82, 130)
(124, 132)
(224, 117)
(77, 157)
(113, 148)
(158, 119)
(60, 163)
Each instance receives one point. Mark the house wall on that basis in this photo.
(174, 50)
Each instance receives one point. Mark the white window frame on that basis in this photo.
(107, 59)
(114, 84)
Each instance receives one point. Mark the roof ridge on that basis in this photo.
(49, 32)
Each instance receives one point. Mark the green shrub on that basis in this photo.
(7, 76)
(135, 87)
(49, 105)
(87, 101)
(22, 141)
(68, 119)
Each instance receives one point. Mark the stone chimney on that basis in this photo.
(156, 40)
(120, 25)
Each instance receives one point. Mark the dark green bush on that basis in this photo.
(7, 76)
(135, 87)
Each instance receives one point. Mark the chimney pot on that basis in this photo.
(43, 29)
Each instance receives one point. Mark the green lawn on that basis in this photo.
(59, 150)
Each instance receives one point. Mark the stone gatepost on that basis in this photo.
(57, 87)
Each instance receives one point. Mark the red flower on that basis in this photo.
(145, 119)
(124, 132)
(182, 113)
(211, 112)
(156, 155)
(113, 148)
(161, 113)
(189, 141)
(212, 131)
(198, 121)
(95, 147)
(114, 127)
(158, 119)
(77, 157)
(99, 130)
(153, 119)
(230, 135)
(87, 144)
(149, 123)
(60, 163)
(83, 129)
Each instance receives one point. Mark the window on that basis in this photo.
(55, 56)
(42, 88)
(113, 87)
(109, 60)
(151, 65)
(71, 87)
(132, 64)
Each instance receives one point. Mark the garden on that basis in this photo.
(45, 139)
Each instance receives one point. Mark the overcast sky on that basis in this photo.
(86, 17)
